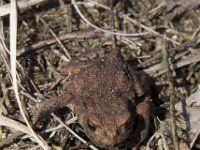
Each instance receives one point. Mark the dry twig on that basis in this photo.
(166, 60)
(57, 39)
(5, 9)
(103, 30)
(81, 34)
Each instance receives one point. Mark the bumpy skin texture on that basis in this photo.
(111, 102)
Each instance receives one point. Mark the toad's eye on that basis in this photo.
(91, 126)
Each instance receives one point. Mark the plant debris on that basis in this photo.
(50, 34)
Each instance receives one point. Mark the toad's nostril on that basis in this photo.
(109, 136)
(105, 133)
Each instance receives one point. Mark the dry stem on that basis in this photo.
(172, 97)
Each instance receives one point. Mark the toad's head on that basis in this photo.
(108, 124)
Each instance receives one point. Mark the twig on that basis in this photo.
(11, 138)
(29, 96)
(4, 121)
(176, 8)
(172, 97)
(57, 39)
(159, 69)
(67, 10)
(150, 30)
(103, 30)
(184, 46)
(112, 19)
(195, 139)
(2, 37)
(5, 9)
(125, 16)
(162, 138)
(59, 54)
(70, 121)
(73, 35)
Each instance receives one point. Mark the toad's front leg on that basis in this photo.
(52, 105)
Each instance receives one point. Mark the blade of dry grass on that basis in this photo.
(135, 22)
(13, 48)
(5, 9)
(159, 69)
(74, 3)
(10, 139)
(57, 39)
(5, 121)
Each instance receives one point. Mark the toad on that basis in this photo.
(112, 103)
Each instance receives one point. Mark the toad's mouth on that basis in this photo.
(106, 144)
(103, 145)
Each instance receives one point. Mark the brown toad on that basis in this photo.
(112, 103)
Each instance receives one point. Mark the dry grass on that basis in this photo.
(46, 39)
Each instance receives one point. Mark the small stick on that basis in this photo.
(181, 48)
(74, 3)
(195, 139)
(172, 96)
(155, 33)
(158, 68)
(57, 39)
(5, 9)
(81, 34)
(112, 18)
(128, 18)
(10, 139)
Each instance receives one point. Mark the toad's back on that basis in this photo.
(104, 92)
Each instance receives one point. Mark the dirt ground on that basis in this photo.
(160, 37)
